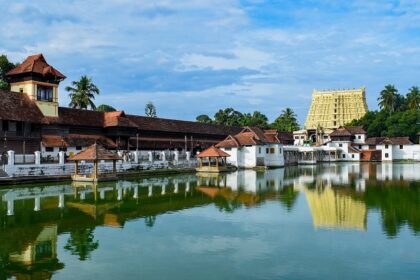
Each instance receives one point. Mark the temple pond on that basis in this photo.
(333, 221)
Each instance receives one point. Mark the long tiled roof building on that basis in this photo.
(32, 120)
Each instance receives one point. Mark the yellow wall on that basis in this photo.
(331, 109)
(49, 109)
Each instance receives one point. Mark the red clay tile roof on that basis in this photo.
(73, 140)
(348, 131)
(213, 152)
(36, 64)
(68, 116)
(16, 106)
(388, 141)
(96, 152)
(118, 118)
(248, 137)
(167, 125)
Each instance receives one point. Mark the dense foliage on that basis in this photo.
(399, 115)
(105, 108)
(286, 121)
(5, 66)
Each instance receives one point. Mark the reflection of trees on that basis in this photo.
(398, 206)
(81, 243)
(225, 205)
(150, 221)
(287, 197)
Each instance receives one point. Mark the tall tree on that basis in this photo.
(388, 98)
(228, 116)
(5, 66)
(82, 93)
(255, 119)
(204, 119)
(413, 98)
(105, 108)
(150, 110)
(287, 121)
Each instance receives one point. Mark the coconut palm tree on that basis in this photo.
(287, 121)
(388, 98)
(413, 98)
(82, 93)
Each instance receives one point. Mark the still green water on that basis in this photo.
(341, 221)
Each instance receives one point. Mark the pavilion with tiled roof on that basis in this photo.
(94, 153)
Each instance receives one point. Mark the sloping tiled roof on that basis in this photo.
(167, 125)
(356, 129)
(16, 106)
(388, 141)
(341, 131)
(96, 152)
(118, 118)
(250, 136)
(36, 64)
(213, 152)
(73, 140)
(68, 116)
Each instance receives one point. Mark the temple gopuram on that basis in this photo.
(331, 109)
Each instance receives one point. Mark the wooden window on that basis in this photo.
(386, 155)
(401, 147)
(49, 149)
(44, 93)
(78, 148)
(272, 150)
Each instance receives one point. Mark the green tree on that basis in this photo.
(82, 93)
(105, 108)
(287, 121)
(256, 119)
(82, 243)
(388, 99)
(413, 98)
(228, 116)
(204, 119)
(5, 66)
(150, 110)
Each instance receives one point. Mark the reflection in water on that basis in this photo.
(337, 196)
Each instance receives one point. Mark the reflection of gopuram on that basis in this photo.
(330, 209)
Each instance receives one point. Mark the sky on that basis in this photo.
(192, 57)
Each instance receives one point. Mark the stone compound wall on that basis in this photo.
(66, 169)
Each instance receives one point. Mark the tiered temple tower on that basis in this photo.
(333, 108)
(39, 81)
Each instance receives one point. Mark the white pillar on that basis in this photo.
(61, 158)
(163, 189)
(10, 158)
(82, 195)
(136, 192)
(61, 200)
(10, 207)
(150, 190)
(176, 187)
(188, 156)
(120, 193)
(37, 158)
(176, 155)
(187, 187)
(37, 203)
(163, 156)
(150, 156)
(136, 156)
